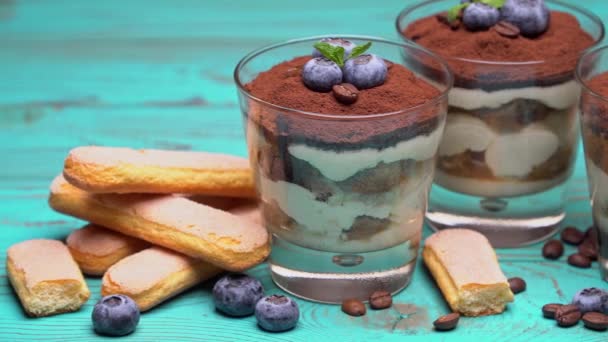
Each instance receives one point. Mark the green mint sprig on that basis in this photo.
(454, 12)
(359, 50)
(336, 53)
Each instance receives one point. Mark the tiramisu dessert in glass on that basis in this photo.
(511, 134)
(592, 73)
(342, 137)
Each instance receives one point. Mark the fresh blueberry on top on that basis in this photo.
(115, 315)
(321, 74)
(236, 294)
(365, 71)
(591, 299)
(531, 16)
(479, 16)
(277, 313)
(346, 44)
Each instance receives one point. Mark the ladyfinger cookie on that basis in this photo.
(174, 222)
(154, 275)
(466, 269)
(45, 277)
(95, 248)
(124, 170)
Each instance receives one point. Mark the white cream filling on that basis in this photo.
(598, 187)
(339, 166)
(320, 225)
(560, 96)
(340, 211)
(491, 188)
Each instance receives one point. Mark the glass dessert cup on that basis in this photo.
(593, 67)
(344, 196)
(510, 140)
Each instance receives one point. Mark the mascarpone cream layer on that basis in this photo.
(598, 187)
(560, 96)
(339, 166)
(489, 188)
(322, 223)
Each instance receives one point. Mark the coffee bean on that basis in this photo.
(550, 309)
(595, 321)
(591, 233)
(579, 260)
(567, 315)
(506, 29)
(345, 93)
(447, 322)
(353, 307)
(588, 248)
(517, 285)
(572, 236)
(553, 249)
(380, 300)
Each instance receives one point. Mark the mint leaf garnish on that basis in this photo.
(454, 12)
(494, 3)
(359, 50)
(333, 53)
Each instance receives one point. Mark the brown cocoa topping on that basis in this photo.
(402, 90)
(560, 46)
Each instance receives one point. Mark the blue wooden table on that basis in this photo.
(158, 74)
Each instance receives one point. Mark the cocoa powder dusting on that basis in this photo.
(560, 46)
(594, 117)
(401, 90)
(283, 87)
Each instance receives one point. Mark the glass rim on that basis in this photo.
(590, 15)
(255, 53)
(579, 70)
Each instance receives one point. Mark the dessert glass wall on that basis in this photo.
(592, 73)
(343, 196)
(510, 141)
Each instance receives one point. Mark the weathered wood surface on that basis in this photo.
(159, 74)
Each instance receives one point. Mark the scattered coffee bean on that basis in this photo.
(589, 249)
(567, 315)
(380, 300)
(550, 309)
(353, 307)
(579, 260)
(591, 233)
(595, 321)
(506, 29)
(345, 93)
(572, 236)
(447, 322)
(553, 249)
(517, 284)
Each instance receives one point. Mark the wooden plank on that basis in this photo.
(159, 74)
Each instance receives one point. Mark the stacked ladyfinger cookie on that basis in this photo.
(160, 223)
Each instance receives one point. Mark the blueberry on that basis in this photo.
(236, 294)
(115, 315)
(277, 313)
(591, 299)
(365, 71)
(346, 44)
(320, 74)
(531, 16)
(478, 16)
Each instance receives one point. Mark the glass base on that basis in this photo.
(506, 222)
(328, 277)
